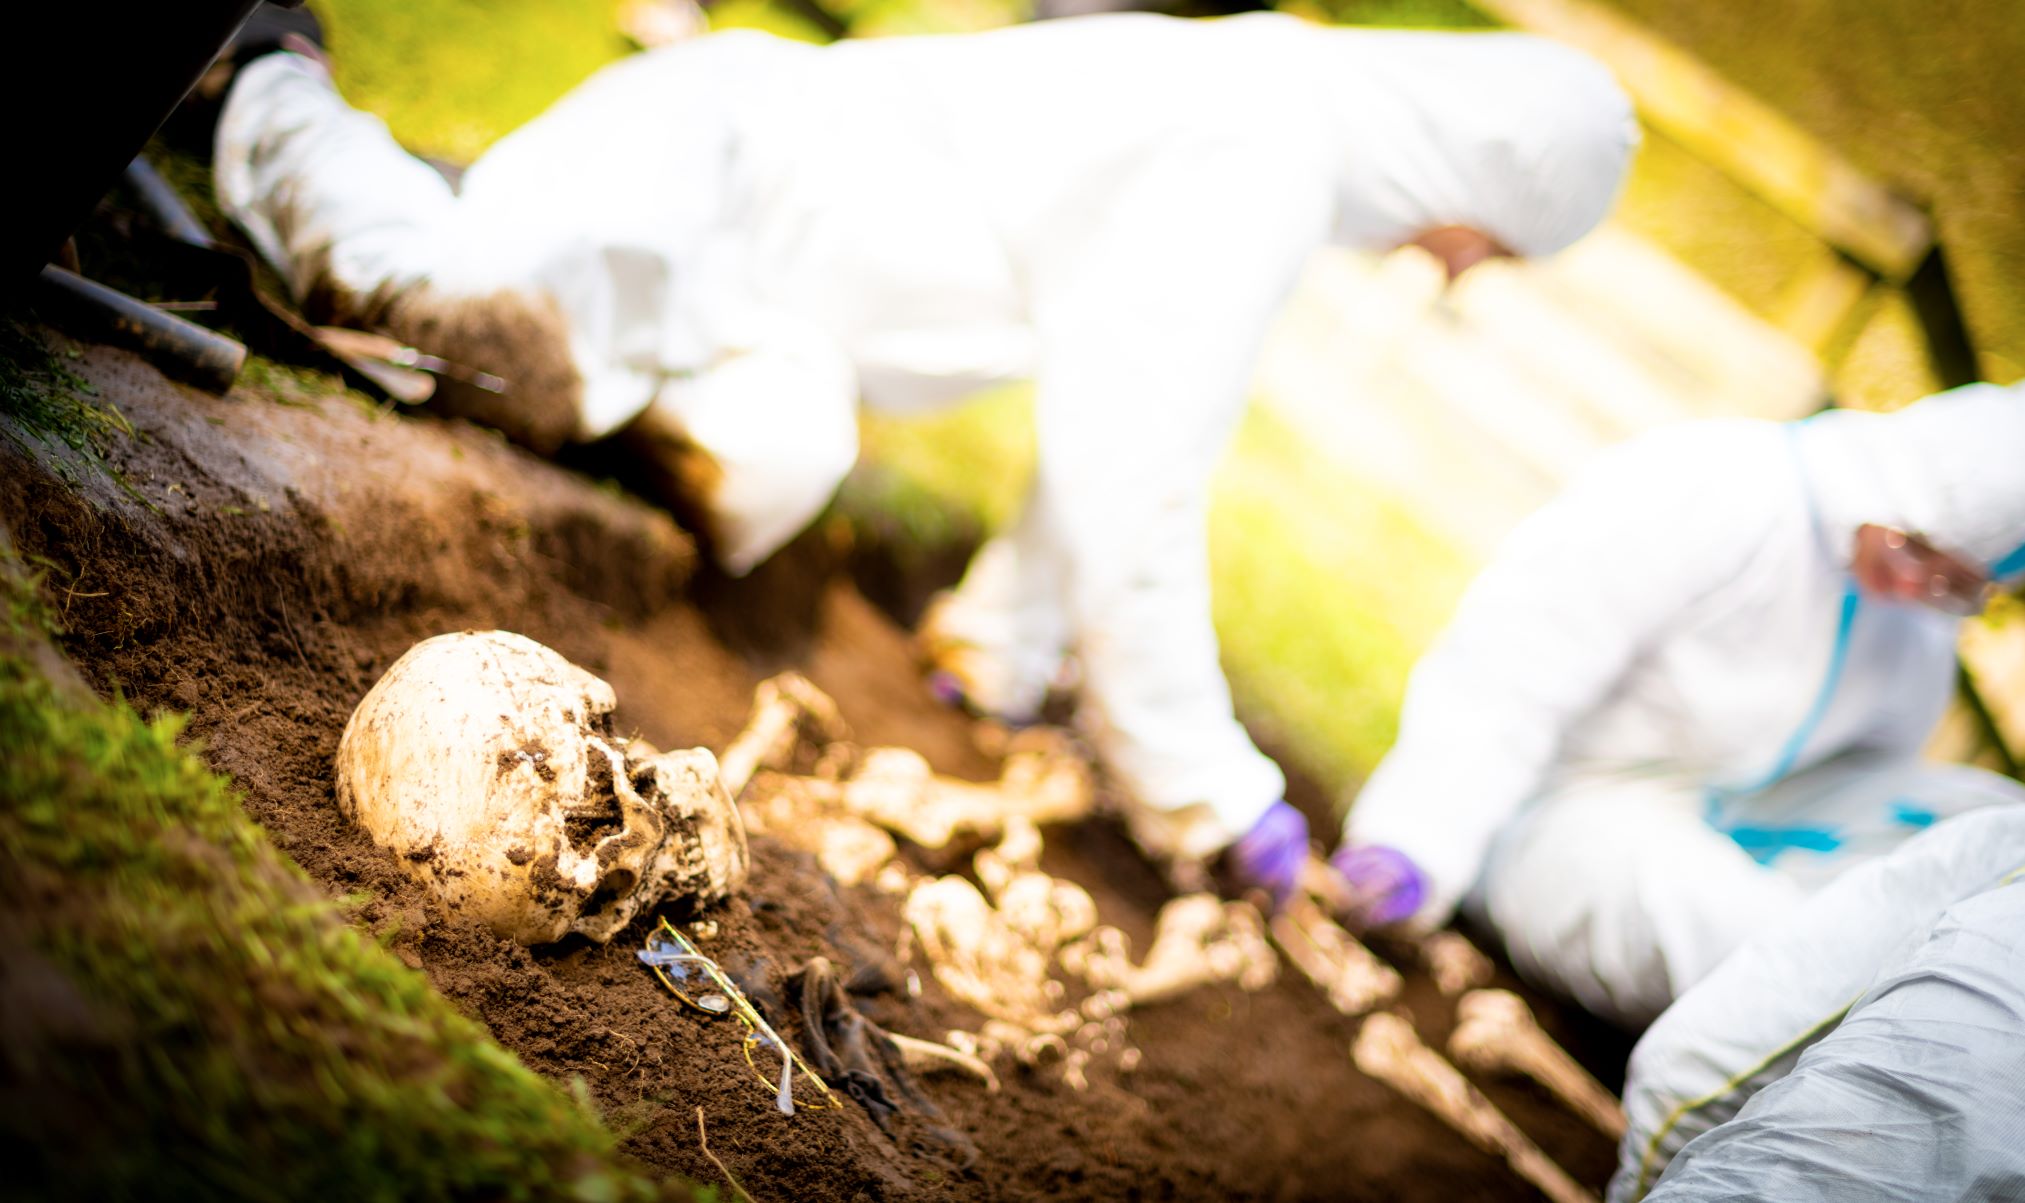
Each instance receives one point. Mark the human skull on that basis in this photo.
(485, 762)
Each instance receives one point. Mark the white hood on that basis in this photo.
(1950, 468)
(1521, 138)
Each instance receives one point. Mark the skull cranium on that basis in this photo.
(484, 762)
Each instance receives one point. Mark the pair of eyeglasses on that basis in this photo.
(701, 984)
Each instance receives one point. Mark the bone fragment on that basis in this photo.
(895, 788)
(922, 1056)
(1198, 940)
(1352, 977)
(803, 813)
(979, 958)
(1454, 963)
(779, 706)
(1496, 1033)
(1388, 1049)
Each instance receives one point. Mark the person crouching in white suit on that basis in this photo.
(1694, 688)
(738, 237)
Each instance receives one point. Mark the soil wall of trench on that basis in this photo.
(258, 565)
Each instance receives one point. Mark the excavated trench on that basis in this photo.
(258, 565)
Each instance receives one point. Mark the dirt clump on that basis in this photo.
(258, 565)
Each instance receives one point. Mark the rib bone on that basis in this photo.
(1496, 1033)
(1388, 1049)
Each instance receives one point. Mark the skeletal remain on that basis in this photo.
(1048, 911)
(1198, 940)
(485, 762)
(1454, 963)
(1354, 979)
(780, 706)
(1496, 1033)
(922, 1056)
(804, 813)
(981, 959)
(895, 788)
(1388, 1049)
(1042, 778)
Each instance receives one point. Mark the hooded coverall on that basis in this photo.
(1868, 1048)
(745, 235)
(1665, 713)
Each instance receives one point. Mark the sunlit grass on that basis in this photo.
(452, 76)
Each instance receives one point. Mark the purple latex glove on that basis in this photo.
(1385, 885)
(948, 689)
(1271, 854)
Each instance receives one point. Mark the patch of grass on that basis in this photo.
(1408, 14)
(1325, 592)
(301, 387)
(452, 76)
(50, 405)
(194, 1020)
(944, 475)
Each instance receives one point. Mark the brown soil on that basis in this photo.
(271, 560)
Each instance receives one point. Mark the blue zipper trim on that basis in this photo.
(2013, 563)
(1760, 841)
(1797, 742)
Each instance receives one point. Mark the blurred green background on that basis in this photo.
(1326, 590)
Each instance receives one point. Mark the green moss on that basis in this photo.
(195, 1021)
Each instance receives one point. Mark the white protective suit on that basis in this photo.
(1664, 713)
(1869, 1048)
(746, 235)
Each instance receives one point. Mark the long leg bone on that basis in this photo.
(1496, 1033)
(1388, 1049)
(1355, 980)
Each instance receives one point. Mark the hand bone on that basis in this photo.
(1388, 1049)
(1496, 1033)
(1353, 978)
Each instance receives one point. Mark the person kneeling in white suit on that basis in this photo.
(1694, 688)
(735, 238)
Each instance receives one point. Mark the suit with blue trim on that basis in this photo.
(1665, 714)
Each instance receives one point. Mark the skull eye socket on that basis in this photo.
(617, 884)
